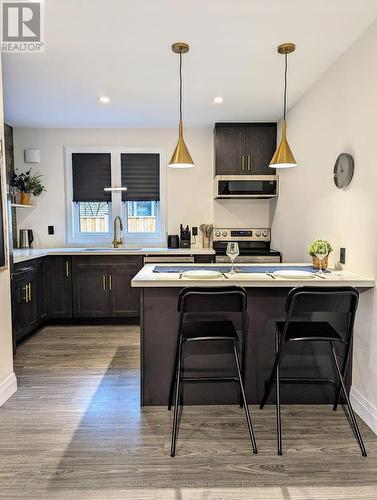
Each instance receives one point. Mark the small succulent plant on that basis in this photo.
(320, 247)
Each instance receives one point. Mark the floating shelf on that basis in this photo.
(18, 205)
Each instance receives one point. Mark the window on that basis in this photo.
(93, 216)
(142, 216)
(140, 173)
(91, 210)
(91, 172)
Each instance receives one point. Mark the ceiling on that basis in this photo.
(121, 49)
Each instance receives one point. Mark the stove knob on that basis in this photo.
(217, 234)
(265, 234)
(257, 234)
(224, 233)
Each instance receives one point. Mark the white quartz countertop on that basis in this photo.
(24, 254)
(146, 278)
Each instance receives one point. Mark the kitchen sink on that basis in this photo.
(110, 249)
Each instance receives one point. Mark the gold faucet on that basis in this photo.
(117, 242)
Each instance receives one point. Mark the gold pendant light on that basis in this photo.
(283, 157)
(181, 157)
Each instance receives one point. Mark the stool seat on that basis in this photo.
(208, 330)
(309, 330)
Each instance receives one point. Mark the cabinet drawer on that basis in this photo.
(106, 260)
(23, 273)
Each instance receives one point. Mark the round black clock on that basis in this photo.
(343, 170)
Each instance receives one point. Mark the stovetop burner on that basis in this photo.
(253, 243)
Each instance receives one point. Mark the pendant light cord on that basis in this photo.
(180, 86)
(285, 84)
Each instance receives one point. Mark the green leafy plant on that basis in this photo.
(26, 182)
(320, 247)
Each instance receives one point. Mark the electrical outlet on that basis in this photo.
(51, 230)
(342, 257)
(194, 231)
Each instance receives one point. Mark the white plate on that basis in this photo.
(302, 275)
(201, 274)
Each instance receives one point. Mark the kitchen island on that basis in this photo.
(266, 300)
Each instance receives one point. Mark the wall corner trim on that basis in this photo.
(7, 388)
(366, 411)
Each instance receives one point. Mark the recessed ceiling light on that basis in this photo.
(218, 100)
(104, 99)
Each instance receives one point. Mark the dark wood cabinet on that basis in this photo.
(124, 300)
(18, 304)
(244, 148)
(229, 150)
(102, 286)
(28, 298)
(90, 297)
(260, 146)
(59, 286)
(41, 290)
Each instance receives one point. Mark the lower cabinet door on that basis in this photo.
(124, 300)
(30, 307)
(18, 302)
(59, 286)
(40, 283)
(90, 290)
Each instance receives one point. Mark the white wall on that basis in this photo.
(189, 192)
(8, 383)
(338, 114)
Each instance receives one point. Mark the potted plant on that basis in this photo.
(322, 248)
(28, 184)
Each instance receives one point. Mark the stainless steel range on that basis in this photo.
(254, 245)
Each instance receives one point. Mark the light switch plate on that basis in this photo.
(342, 257)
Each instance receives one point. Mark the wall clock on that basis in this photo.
(343, 170)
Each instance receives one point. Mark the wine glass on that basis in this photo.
(321, 254)
(232, 252)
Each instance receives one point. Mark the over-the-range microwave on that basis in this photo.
(246, 186)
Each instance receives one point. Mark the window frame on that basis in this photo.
(117, 207)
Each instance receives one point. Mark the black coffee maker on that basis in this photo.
(185, 237)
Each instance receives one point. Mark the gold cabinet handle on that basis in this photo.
(104, 281)
(243, 163)
(24, 294)
(249, 163)
(67, 268)
(29, 292)
(110, 282)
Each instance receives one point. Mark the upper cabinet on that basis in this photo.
(244, 148)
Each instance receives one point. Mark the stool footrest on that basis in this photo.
(209, 379)
(305, 380)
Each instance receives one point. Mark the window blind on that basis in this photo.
(141, 175)
(91, 173)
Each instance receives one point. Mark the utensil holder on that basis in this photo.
(206, 242)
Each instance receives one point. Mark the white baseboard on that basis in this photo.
(7, 388)
(364, 409)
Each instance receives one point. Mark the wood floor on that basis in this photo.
(74, 429)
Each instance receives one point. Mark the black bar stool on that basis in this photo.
(301, 301)
(231, 299)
